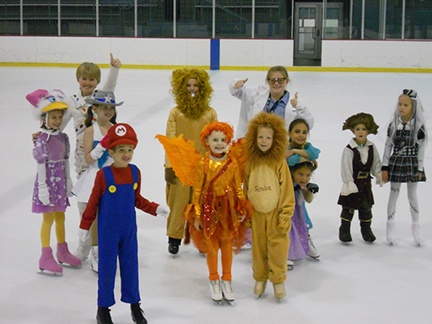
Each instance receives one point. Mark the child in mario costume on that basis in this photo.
(115, 195)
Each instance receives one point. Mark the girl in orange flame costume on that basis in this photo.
(216, 217)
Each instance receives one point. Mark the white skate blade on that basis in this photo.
(67, 265)
(316, 258)
(229, 301)
(49, 273)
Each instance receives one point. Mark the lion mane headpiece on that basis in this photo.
(280, 138)
(191, 107)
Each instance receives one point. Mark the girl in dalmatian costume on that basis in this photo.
(53, 183)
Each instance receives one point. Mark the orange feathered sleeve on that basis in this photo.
(238, 152)
(183, 157)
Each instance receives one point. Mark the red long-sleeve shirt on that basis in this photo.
(121, 176)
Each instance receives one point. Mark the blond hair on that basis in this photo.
(89, 70)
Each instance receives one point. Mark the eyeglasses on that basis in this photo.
(274, 80)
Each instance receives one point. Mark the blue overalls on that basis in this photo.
(118, 237)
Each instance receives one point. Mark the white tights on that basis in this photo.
(412, 199)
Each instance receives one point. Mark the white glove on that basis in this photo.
(84, 235)
(163, 211)
(43, 193)
(97, 152)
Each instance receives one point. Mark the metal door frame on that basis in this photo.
(318, 6)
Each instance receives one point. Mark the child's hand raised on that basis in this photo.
(240, 83)
(115, 62)
(294, 101)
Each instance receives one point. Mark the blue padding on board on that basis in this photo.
(214, 54)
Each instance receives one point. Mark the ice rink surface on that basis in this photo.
(355, 283)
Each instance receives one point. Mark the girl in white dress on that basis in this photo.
(95, 154)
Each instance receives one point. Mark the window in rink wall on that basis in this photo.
(342, 19)
(390, 19)
(146, 18)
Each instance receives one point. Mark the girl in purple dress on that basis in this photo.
(53, 183)
(299, 245)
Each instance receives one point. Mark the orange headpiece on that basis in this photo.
(226, 128)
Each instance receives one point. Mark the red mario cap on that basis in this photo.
(121, 134)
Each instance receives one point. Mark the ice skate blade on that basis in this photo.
(67, 265)
(218, 302)
(316, 258)
(228, 301)
(346, 242)
(49, 273)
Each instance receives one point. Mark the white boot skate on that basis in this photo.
(83, 250)
(418, 237)
(227, 291)
(313, 253)
(391, 232)
(290, 264)
(215, 291)
(94, 258)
